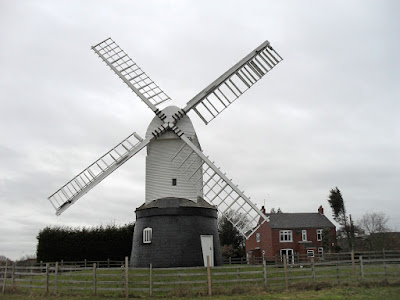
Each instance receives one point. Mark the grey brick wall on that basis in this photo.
(176, 236)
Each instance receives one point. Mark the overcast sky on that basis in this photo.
(327, 116)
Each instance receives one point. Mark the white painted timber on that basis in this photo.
(160, 171)
(220, 191)
(207, 247)
(223, 91)
(96, 172)
(130, 73)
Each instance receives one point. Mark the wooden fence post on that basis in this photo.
(209, 276)
(126, 277)
(55, 277)
(94, 278)
(230, 260)
(5, 277)
(265, 273)
(361, 267)
(313, 268)
(85, 262)
(108, 263)
(151, 280)
(353, 263)
(31, 279)
(47, 278)
(285, 269)
(13, 275)
(385, 268)
(337, 271)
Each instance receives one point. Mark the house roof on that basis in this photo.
(298, 220)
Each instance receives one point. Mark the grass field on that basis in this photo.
(327, 281)
(345, 292)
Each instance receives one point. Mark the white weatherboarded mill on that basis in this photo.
(177, 224)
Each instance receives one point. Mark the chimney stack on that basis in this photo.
(321, 210)
(263, 209)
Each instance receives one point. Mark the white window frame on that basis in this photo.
(290, 257)
(310, 252)
(320, 251)
(285, 236)
(304, 235)
(319, 234)
(147, 235)
(258, 237)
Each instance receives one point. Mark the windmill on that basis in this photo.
(176, 226)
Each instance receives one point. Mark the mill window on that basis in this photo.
(147, 235)
(173, 181)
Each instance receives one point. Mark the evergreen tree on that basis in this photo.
(347, 227)
(232, 242)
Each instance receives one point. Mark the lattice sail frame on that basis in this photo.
(217, 188)
(96, 172)
(221, 93)
(210, 102)
(130, 73)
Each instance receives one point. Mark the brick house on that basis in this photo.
(297, 235)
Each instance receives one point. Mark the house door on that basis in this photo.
(289, 255)
(207, 246)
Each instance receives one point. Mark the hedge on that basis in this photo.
(75, 244)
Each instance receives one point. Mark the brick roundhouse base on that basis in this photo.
(177, 225)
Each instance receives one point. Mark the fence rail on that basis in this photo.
(56, 278)
(300, 258)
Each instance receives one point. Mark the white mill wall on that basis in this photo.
(159, 169)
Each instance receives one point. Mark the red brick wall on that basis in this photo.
(265, 240)
(271, 244)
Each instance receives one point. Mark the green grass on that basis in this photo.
(391, 292)
(177, 281)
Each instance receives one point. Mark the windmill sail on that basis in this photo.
(218, 189)
(216, 97)
(130, 73)
(96, 172)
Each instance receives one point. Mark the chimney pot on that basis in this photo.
(321, 210)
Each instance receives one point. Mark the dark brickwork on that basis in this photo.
(176, 235)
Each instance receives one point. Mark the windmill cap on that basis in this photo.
(184, 124)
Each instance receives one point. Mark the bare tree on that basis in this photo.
(375, 226)
(375, 222)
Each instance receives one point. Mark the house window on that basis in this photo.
(147, 235)
(310, 253)
(304, 235)
(258, 237)
(173, 181)
(285, 236)
(289, 255)
(319, 234)
(320, 251)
